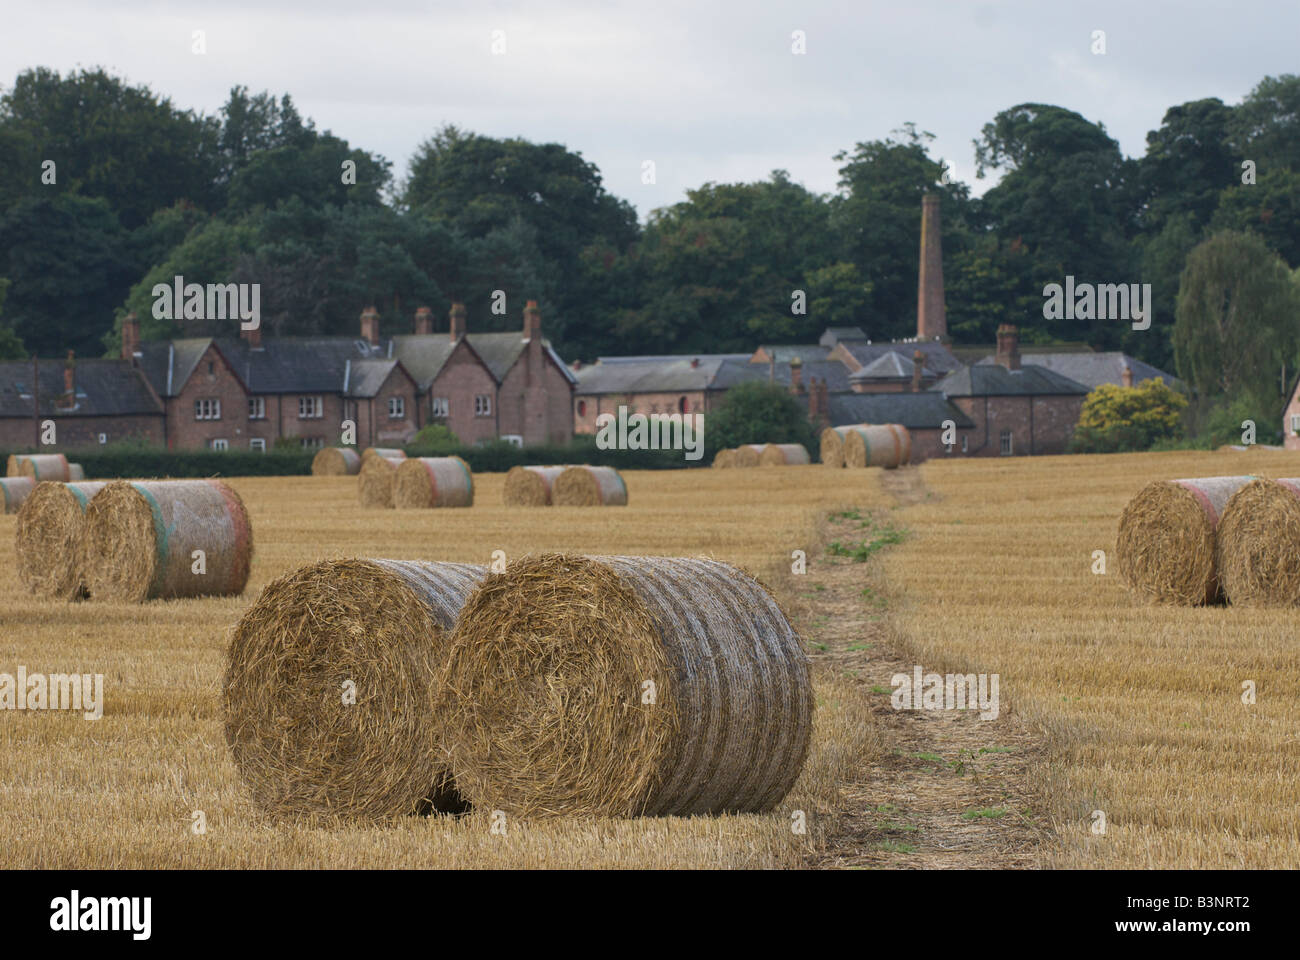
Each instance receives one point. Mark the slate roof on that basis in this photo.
(364, 378)
(994, 380)
(890, 366)
(937, 355)
(423, 355)
(168, 363)
(833, 335)
(104, 388)
(1094, 369)
(784, 353)
(667, 374)
(916, 411)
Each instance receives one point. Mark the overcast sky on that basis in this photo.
(707, 91)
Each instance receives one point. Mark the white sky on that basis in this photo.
(708, 91)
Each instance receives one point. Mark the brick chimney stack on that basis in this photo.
(130, 336)
(69, 381)
(1126, 375)
(1008, 354)
(931, 320)
(457, 325)
(918, 365)
(532, 321)
(254, 336)
(423, 321)
(796, 375)
(370, 326)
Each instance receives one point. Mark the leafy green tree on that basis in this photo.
(1266, 126)
(1188, 163)
(1115, 419)
(1270, 207)
(11, 347)
(757, 412)
(435, 437)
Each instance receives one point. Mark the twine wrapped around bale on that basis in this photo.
(749, 454)
(141, 536)
(390, 453)
(1166, 548)
(39, 466)
(904, 442)
(587, 486)
(76, 473)
(625, 686)
(329, 684)
(725, 459)
(531, 486)
(15, 490)
(425, 482)
(336, 462)
(832, 446)
(872, 446)
(1259, 544)
(48, 545)
(783, 455)
(375, 482)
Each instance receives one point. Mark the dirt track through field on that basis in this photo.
(949, 789)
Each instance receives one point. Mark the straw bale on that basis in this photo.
(48, 544)
(336, 462)
(749, 454)
(725, 459)
(587, 486)
(872, 446)
(39, 466)
(1259, 544)
(531, 486)
(375, 481)
(425, 482)
(15, 490)
(783, 454)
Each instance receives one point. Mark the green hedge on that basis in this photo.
(499, 457)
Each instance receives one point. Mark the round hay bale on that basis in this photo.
(625, 686)
(140, 538)
(586, 486)
(1259, 544)
(1166, 547)
(391, 453)
(375, 481)
(377, 628)
(39, 466)
(48, 545)
(749, 454)
(425, 482)
(76, 473)
(783, 455)
(531, 486)
(904, 442)
(725, 459)
(832, 446)
(871, 446)
(336, 462)
(15, 490)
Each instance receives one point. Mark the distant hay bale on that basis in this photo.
(76, 473)
(15, 490)
(872, 446)
(377, 628)
(48, 544)
(531, 486)
(1259, 544)
(749, 454)
(39, 466)
(725, 459)
(625, 686)
(375, 482)
(336, 462)
(904, 442)
(141, 537)
(586, 486)
(391, 453)
(425, 482)
(832, 446)
(1166, 548)
(783, 455)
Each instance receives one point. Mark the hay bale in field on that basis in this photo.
(377, 629)
(872, 446)
(904, 443)
(625, 686)
(531, 486)
(14, 491)
(48, 545)
(336, 462)
(375, 481)
(39, 466)
(1259, 544)
(1166, 547)
(391, 453)
(424, 482)
(832, 446)
(586, 486)
(141, 536)
(749, 454)
(76, 473)
(783, 455)
(725, 459)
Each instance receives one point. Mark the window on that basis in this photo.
(964, 440)
(582, 408)
(438, 406)
(257, 408)
(1006, 443)
(103, 438)
(311, 443)
(513, 439)
(212, 369)
(310, 408)
(681, 405)
(257, 443)
(483, 405)
(1295, 423)
(396, 408)
(207, 409)
(218, 444)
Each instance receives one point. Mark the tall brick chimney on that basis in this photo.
(69, 399)
(423, 321)
(796, 375)
(918, 364)
(931, 320)
(370, 326)
(1008, 354)
(254, 336)
(457, 324)
(532, 321)
(130, 336)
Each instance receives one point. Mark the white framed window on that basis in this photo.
(218, 444)
(311, 443)
(258, 444)
(311, 408)
(513, 439)
(103, 438)
(1295, 424)
(438, 406)
(257, 408)
(207, 409)
(396, 408)
(1005, 440)
(483, 405)
(965, 445)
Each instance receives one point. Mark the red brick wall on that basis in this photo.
(462, 379)
(928, 444)
(1051, 418)
(593, 405)
(1290, 439)
(389, 431)
(535, 400)
(184, 431)
(73, 431)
